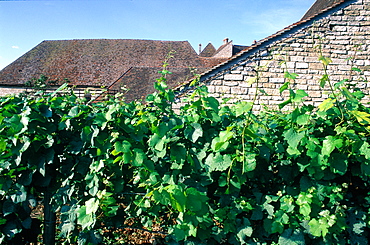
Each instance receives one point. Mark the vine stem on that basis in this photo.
(325, 66)
(249, 119)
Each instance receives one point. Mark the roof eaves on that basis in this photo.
(241, 56)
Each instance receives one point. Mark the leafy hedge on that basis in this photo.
(208, 174)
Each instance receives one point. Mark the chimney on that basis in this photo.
(226, 40)
(200, 48)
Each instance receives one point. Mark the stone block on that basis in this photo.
(325, 95)
(338, 18)
(290, 65)
(361, 17)
(340, 42)
(277, 80)
(231, 84)
(216, 82)
(359, 62)
(233, 77)
(340, 28)
(269, 85)
(276, 70)
(302, 86)
(301, 65)
(315, 66)
(277, 99)
(342, 37)
(314, 94)
(242, 97)
(211, 89)
(339, 61)
(353, 28)
(265, 62)
(239, 90)
(344, 67)
(272, 91)
(252, 91)
(245, 85)
(339, 52)
(257, 108)
(296, 58)
(361, 85)
(314, 87)
(310, 59)
(223, 89)
(304, 78)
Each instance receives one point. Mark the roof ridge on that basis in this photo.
(113, 39)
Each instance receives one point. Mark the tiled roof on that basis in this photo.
(241, 56)
(96, 62)
(208, 51)
(238, 48)
(211, 61)
(222, 47)
(139, 80)
(319, 6)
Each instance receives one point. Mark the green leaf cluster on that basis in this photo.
(206, 174)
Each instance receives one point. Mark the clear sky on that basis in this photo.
(24, 24)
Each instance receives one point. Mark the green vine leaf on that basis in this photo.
(325, 60)
(218, 162)
(327, 104)
(86, 220)
(329, 144)
(194, 132)
(362, 117)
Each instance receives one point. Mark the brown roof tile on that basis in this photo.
(139, 80)
(208, 51)
(96, 62)
(319, 6)
(112, 63)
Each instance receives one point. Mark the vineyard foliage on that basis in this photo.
(206, 174)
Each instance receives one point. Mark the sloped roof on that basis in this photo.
(238, 48)
(96, 62)
(208, 51)
(228, 49)
(319, 6)
(316, 13)
(221, 51)
(139, 80)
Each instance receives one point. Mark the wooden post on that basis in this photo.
(49, 219)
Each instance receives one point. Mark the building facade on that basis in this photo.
(331, 39)
(101, 66)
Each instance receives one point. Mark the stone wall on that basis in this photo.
(11, 90)
(6, 90)
(343, 36)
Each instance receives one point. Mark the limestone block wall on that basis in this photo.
(6, 90)
(342, 36)
(9, 90)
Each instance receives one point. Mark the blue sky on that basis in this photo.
(24, 24)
